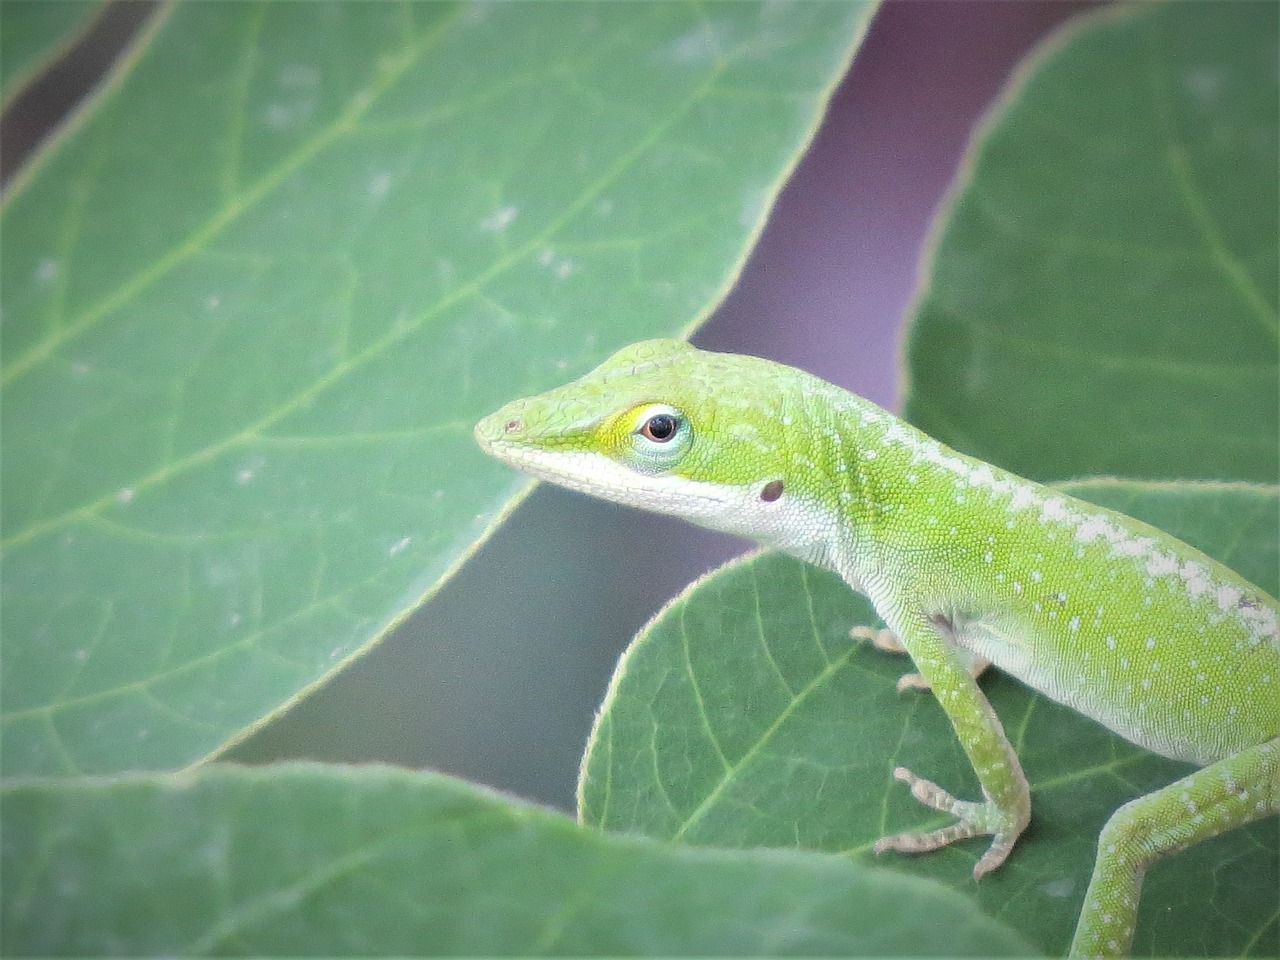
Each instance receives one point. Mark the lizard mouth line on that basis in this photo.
(596, 474)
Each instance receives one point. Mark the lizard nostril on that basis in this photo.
(513, 425)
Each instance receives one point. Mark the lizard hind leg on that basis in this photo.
(1228, 794)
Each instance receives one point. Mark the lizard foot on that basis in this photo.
(886, 640)
(882, 639)
(972, 820)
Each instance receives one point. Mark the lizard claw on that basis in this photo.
(972, 820)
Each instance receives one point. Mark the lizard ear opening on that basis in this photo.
(771, 491)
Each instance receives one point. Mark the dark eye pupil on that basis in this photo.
(660, 427)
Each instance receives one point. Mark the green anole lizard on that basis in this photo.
(968, 565)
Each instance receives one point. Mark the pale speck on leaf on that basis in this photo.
(299, 76)
(562, 267)
(1204, 85)
(698, 45)
(249, 470)
(380, 184)
(1062, 887)
(476, 13)
(277, 116)
(500, 219)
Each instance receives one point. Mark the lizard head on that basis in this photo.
(665, 426)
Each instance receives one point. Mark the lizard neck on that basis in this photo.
(848, 463)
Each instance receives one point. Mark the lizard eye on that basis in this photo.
(659, 436)
(660, 428)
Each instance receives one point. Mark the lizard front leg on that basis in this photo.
(1006, 807)
(1225, 795)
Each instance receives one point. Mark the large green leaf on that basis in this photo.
(255, 297)
(373, 861)
(35, 32)
(1102, 298)
(745, 716)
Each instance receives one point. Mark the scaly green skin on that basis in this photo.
(967, 564)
